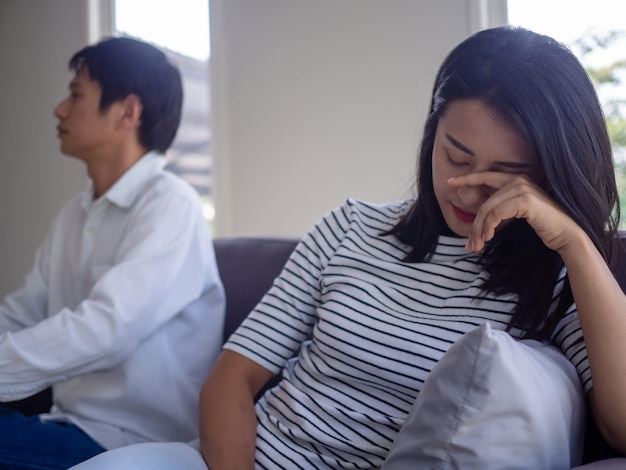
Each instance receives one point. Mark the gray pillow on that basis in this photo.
(494, 403)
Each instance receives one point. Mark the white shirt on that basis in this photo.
(122, 313)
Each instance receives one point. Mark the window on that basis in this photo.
(181, 29)
(596, 33)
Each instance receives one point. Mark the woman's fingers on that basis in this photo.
(515, 203)
(491, 179)
(515, 197)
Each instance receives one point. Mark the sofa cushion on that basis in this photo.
(491, 403)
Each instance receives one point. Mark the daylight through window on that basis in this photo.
(181, 29)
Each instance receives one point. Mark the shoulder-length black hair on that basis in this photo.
(539, 87)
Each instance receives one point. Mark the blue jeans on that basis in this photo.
(28, 444)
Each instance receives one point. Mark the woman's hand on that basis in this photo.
(516, 196)
(600, 302)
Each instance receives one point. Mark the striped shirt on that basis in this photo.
(355, 331)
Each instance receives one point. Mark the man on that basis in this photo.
(122, 313)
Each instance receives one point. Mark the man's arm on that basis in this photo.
(26, 306)
(161, 265)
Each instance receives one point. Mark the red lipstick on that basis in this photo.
(465, 217)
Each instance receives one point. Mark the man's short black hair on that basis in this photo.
(124, 66)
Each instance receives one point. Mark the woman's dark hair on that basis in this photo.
(124, 66)
(542, 91)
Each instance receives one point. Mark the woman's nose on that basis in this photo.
(473, 196)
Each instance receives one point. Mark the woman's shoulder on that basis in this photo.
(360, 219)
(387, 214)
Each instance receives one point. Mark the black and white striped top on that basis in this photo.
(356, 331)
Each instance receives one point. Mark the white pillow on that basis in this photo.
(495, 403)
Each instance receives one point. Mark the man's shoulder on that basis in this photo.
(169, 184)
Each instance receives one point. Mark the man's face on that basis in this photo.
(85, 131)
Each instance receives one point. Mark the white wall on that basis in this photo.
(37, 39)
(316, 101)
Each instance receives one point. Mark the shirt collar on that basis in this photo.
(126, 189)
(452, 249)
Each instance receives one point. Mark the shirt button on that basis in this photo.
(90, 230)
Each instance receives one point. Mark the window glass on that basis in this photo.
(181, 29)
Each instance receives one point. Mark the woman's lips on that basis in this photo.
(465, 217)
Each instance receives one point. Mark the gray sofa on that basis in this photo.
(248, 267)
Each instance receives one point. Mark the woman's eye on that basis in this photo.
(454, 162)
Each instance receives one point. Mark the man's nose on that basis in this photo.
(61, 110)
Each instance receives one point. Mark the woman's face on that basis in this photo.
(469, 139)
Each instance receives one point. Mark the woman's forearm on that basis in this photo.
(601, 307)
(227, 417)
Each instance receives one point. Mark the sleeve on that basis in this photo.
(568, 337)
(26, 306)
(163, 263)
(285, 317)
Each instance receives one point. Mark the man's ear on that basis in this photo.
(131, 111)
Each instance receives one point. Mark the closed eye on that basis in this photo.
(512, 167)
(454, 162)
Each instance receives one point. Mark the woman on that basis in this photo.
(515, 212)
